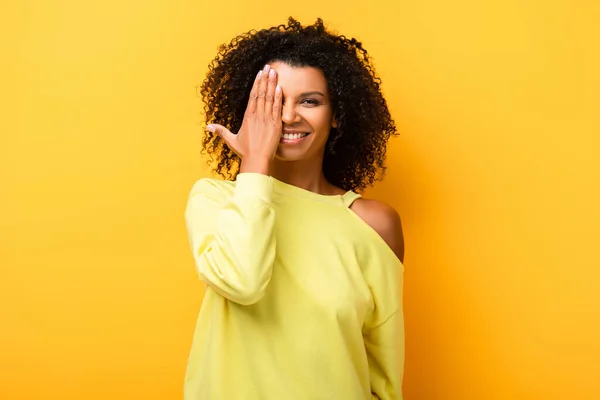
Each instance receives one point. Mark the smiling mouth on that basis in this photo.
(293, 137)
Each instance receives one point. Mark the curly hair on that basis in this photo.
(355, 151)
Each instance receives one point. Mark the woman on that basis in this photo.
(303, 274)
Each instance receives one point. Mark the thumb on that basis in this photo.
(226, 134)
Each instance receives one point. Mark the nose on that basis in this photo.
(289, 115)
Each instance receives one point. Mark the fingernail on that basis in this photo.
(278, 89)
(272, 73)
(259, 74)
(210, 128)
(266, 69)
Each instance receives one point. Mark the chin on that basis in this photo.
(290, 155)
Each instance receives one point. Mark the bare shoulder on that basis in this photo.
(385, 220)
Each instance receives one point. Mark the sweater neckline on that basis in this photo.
(345, 199)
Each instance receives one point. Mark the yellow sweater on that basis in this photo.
(303, 297)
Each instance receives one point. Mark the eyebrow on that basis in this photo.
(312, 93)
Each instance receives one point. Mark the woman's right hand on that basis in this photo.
(259, 135)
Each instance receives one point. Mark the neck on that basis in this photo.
(305, 174)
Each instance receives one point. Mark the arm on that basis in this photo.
(384, 334)
(383, 346)
(232, 238)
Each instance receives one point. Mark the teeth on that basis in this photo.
(293, 136)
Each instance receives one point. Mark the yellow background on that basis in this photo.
(496, 176)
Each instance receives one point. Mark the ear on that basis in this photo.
(334, 123)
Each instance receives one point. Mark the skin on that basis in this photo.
(286, 98)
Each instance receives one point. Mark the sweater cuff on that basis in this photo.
(251, 185)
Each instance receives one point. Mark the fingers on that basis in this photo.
(270, 94)
(226, 134)
(277, 103)
(262, 88)
(262, 95)
(251, 108)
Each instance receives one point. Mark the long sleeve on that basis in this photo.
(383, 345)
(232, 237)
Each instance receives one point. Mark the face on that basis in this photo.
(307, 115)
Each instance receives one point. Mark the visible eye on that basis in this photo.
(312, 102)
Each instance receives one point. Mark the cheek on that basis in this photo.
(318, 119)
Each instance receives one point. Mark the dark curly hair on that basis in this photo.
(355, 150)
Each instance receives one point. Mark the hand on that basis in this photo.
(259, 135)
